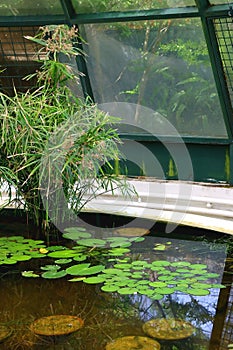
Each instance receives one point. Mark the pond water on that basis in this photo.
(110, 315)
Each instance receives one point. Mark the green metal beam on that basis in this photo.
(124, 16)
(26, 21)
(69, 12)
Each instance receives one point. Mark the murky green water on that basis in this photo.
(111, 315)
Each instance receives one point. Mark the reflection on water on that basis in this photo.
(110, 315)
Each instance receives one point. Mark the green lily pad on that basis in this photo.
(197, 292)
(50, 274)
(80, 257)
(29, 274)
(76, 235)
(75, 269)
(67, 253)
(161, 263)
(92, 242)
(95, 279)
(109, 288)
(127, 290)
(51, 267)
(63, 261)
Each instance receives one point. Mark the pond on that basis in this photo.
(174, 281)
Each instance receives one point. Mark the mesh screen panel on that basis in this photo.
(224, 31)
(17, 58)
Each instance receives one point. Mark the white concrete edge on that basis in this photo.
(202, 205)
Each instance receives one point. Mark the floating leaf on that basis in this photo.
(75, 269)
(216, 285)
(63, 261)
(109, 288)
(76, 235)
(29, 274)
(50, 274)
(92, 242)
(67, 253)
(80, 257)
(160, 247)
(51, 267)
(127, 290)
(197, 292)
(161, 263)
(91, 270)
(95, 279)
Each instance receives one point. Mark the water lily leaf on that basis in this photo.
(165, 290)
(75, 269)
(63, 261)
(76, 235)
(109, 288)
(197, 292)
(138, 239)
(123, 266)
(9, 261)
(180, 263)
(158, 284)
(50, 274)
(92, 242)
(95, 279)
(91, 270)
(80, 257)
(118, 251)
(156, 296)
(22, 257)
(75, 229)
(77, 279)
(211, 275)
(54, 248)
(127, 290)
(112, 271)
(67, 253)
(198, 266)
(165, 278)
(51, 267)
(198, 285)
(217, 285)
(159, 247)
(29, 274)
(161, 263)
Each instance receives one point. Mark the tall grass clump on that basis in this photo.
(54, 145)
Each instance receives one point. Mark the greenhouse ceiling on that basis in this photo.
(171, 58)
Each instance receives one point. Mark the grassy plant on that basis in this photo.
(53, 143)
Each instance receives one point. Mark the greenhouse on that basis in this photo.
(116, 174)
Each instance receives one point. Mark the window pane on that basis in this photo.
(30, 7)
(219, 2)
(162, 65)
(85, 6)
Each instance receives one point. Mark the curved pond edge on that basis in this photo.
(196, 204)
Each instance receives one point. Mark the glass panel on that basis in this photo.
(30, 7)
(161, 65)
(85, 6)
(219, 2)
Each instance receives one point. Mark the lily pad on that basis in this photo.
(56, 325)
(66, 253)
(168, 328)
(133, 342)
(132, 231)
(50, 274)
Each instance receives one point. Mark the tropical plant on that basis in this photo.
(54, 144)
